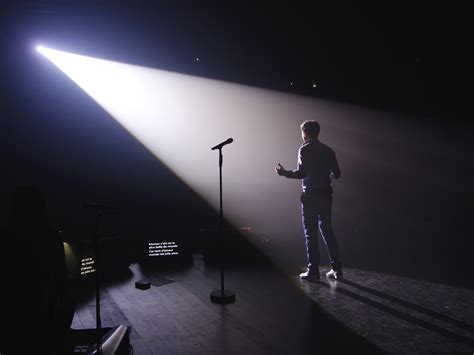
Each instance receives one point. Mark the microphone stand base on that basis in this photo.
(225, 297)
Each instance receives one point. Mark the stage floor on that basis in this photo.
(279, 314)
(399, 315)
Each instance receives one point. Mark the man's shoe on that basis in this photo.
(309, 276)
(334, 274)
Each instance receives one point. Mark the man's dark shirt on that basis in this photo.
(316, 163)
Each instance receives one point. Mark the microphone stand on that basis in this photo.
(100, 213)
(222, 296)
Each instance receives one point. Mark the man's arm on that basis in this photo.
(298, 173)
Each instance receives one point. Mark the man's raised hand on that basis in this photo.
(280, 170)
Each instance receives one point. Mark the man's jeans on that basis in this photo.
(316, 215)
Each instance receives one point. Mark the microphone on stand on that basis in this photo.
(222, 296)
(220, 145)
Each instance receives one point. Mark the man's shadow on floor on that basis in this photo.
(334, 286)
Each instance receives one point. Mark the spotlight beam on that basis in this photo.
(179, 117)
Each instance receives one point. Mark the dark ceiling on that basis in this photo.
(409, 58)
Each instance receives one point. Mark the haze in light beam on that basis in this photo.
(180, 117)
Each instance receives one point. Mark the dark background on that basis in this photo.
(408, 59)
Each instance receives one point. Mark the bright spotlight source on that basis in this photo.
(40, 48)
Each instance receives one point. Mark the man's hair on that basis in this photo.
(311, 128)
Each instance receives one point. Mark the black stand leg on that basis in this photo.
(222, 296)
(100, 212)
(97, 283)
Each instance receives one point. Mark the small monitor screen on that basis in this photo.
(87, 265)
(163, 249)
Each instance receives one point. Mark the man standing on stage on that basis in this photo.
(317, 165)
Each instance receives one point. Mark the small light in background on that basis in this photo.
(197, 59)
(314, 85)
